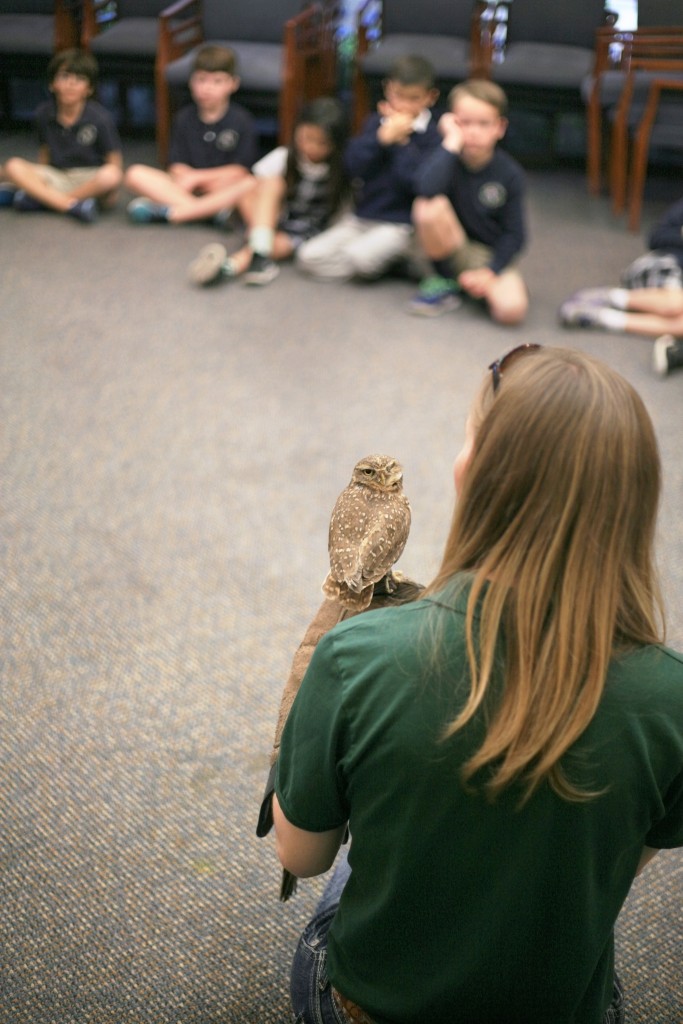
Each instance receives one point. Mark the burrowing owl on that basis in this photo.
(368, 530)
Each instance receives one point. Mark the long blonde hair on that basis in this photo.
(555, 526)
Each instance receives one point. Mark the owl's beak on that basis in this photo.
(393, 476)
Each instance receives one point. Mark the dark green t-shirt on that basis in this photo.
(458, 910)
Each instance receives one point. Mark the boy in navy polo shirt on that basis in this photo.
(382, 164)
(470, 216)
(213, 145)
(79, 161)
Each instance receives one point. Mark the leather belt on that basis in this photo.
(350, 1011)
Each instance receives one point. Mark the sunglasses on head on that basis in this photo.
(499, 366)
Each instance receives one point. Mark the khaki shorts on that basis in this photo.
(475, 255)
(67, 180)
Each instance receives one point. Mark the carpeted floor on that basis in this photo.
(170, 457)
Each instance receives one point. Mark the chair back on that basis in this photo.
(140, 8)
(660, 12)
(561, 24)
(27, 7)
(256, 21)
(428, 17)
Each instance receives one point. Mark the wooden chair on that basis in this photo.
(660, 125)
(446, 32)
(31, 31)
(286, 56)
(615, 51)
(650, 112)
(125, 45)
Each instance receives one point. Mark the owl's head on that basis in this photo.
(381, 472)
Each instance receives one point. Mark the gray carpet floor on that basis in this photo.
(170, 457)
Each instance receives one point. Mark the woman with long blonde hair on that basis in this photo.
(507, 751)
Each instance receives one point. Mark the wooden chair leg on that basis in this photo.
(637, 176)
(618, 158)
(163, 116)
(594, 143)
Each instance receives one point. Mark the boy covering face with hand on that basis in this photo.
(469, 216)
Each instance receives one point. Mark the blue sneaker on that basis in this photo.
(84, 210)
(436, 295)
(25, 203)
(144, 211)
(7, 193)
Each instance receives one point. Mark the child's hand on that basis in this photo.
(452, 133)
(477, 282)
(395, 128)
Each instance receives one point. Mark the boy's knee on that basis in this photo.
(14, 164)
(132, 175)
(427, 211)
(511, 313)
(111, 177)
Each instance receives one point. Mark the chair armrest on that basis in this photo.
(180, 28)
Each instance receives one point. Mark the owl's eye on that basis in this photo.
(369, 472)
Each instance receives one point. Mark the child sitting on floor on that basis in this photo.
(469, 214)
(79, 161)
(213, 145)
(298, 191)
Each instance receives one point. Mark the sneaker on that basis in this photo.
(208, 265)
(7, 193)
(582, 309)
(436, 295)
(144, 211)
(261, 270)
(25, 203)
(667, 354)
(84, 210)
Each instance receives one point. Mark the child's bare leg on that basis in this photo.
(154, 184)
(507, 297)
(438, 229)
(188, 208)
(662, 301)
(649, 311)
(27, 175)
(653, 325)
(103, 185)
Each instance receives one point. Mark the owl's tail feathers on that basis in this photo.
(349, 599)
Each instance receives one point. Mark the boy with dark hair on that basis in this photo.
(213, 145)
(382, 163)
(470, 216)
(79, 161)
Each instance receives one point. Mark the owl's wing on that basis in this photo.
(383, 545)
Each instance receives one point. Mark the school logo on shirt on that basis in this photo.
(227, 140)
(492, 195)
(86, 134)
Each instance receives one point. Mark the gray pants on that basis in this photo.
(355, 248)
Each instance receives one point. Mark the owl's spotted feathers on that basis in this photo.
(368, 530)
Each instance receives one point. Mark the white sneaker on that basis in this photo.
(208, 265)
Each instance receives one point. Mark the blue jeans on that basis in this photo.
(310, 987)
